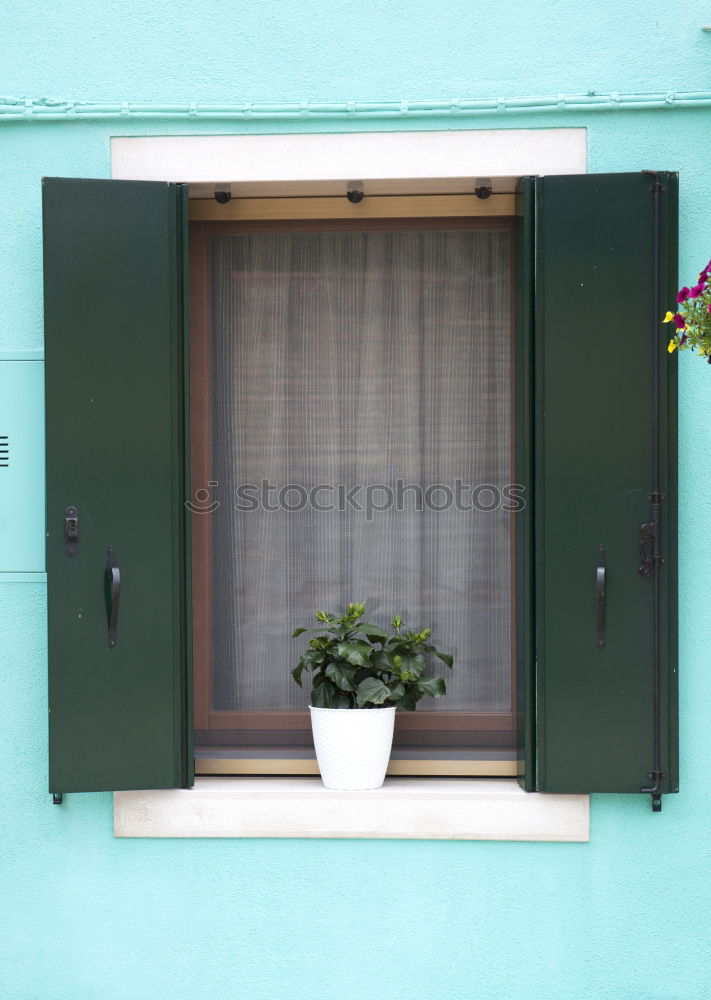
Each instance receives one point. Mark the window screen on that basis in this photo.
(361, 443)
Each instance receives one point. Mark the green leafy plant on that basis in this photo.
(692, 320)
(357, 665)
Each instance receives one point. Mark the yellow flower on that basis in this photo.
(672, 347)
(668, 318)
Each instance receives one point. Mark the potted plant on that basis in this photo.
(360, 675)
(692, 319)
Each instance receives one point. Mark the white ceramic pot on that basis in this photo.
(352, 745)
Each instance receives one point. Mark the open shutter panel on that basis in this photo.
(116, 468)
(604, 443)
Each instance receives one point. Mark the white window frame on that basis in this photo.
(405, 808)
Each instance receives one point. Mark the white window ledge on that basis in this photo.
(404, 808)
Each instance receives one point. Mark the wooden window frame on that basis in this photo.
(253, 215)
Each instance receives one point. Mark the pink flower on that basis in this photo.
(696, 290)
(682, 294)
(679, 321)
(682, 340)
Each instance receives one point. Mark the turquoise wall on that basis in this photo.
(87, 917)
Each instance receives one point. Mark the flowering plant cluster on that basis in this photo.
(693, 317)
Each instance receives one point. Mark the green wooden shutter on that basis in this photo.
(114, 315)
(592, 247)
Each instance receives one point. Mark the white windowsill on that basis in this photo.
(404, 808)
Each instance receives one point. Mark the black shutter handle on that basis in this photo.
(600, 573)
(113, 594)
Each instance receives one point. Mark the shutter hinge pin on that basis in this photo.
(655, 789)
(57, 798)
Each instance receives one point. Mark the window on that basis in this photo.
(588, 714)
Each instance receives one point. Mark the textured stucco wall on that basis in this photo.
(283, 50)
(87, 917)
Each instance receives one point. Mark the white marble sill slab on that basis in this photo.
(404, 808)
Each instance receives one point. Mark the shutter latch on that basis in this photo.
(649, 546)
(71, 531)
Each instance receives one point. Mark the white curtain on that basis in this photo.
(361, 359)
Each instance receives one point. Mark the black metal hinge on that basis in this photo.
(655, 789)
(650, 544)
(656, 187)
